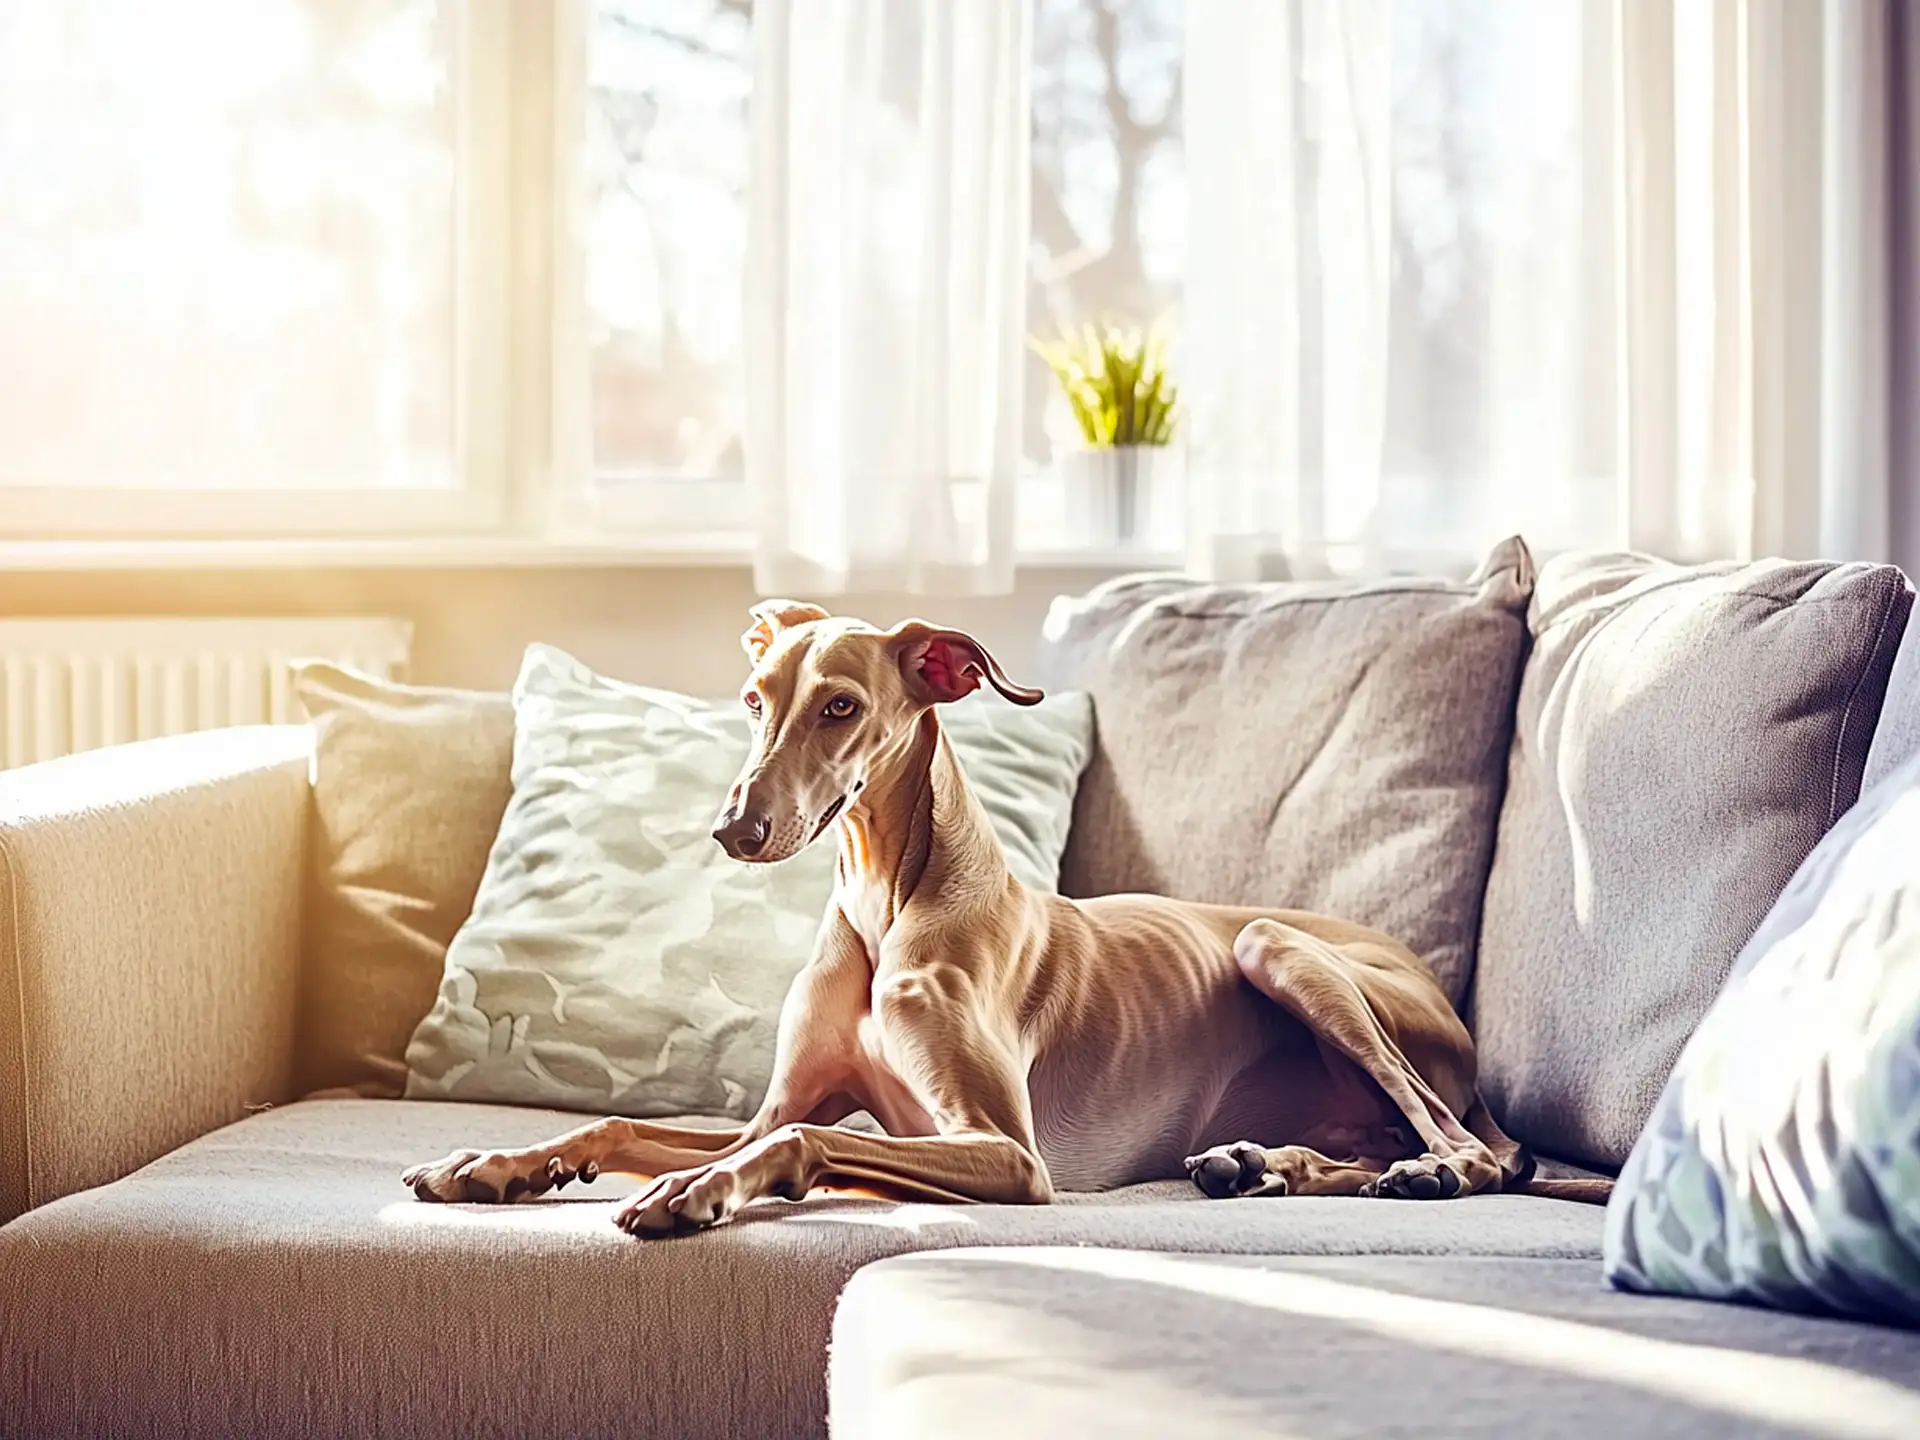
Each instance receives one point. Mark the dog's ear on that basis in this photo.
(941, 665)
(770, 617)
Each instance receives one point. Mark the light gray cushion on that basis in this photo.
(1684, 737)
(1782, 1164)
(616, 959)
(275, 1278)
(1017, 1343)
(1332, 747)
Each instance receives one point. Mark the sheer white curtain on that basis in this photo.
(886, 274)
(1611, 272)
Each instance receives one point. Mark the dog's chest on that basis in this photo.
(868, 911)
(868, 908)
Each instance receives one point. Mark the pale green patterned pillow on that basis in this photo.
(616, 960)
(1782, 1164)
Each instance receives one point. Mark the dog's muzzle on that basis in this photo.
(833, 813)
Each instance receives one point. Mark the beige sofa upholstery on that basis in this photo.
(149, 941)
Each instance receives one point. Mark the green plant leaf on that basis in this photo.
(1116, 381)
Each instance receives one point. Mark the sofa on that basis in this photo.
(191, 1248)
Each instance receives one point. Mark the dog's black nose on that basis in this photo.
(742, 834)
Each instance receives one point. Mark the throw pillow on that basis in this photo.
(1782, 1164)
(616, 960)
(409, 784)
(1685, 735)
(1338, 747)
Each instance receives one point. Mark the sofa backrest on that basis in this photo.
(1684, 737)
(1337, 747)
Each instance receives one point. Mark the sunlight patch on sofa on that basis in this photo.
(917, 1358)
(574, 1217)
(871, 1213)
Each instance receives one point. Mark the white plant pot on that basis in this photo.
(1117, 495)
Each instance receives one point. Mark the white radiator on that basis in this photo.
(72, 685)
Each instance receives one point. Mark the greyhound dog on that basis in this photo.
(1012, 1042)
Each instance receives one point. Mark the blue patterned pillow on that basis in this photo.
(1782, 1164)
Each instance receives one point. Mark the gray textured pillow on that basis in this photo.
(616, 960)
(1684, 737)
(1333, 747)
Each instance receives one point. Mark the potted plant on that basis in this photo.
(1126, 406)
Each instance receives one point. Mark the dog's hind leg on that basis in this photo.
(1323, 988)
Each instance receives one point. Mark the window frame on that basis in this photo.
(579, 503)
(488, 69)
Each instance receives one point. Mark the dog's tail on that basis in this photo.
(1590, 1191)
(1518, 1165)
(1584, 1192)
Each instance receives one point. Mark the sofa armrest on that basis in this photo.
(149, 950)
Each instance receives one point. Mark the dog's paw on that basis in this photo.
(1227, 1171)
(1424, 1177)
(681, 1202)
(492, 1177)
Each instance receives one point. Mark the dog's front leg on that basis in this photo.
(794, 1159)
(967, 1078)
(615, 1144)
(818, 1030)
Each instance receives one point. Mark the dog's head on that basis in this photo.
(832, 700)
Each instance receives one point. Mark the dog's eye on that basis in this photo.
(752, 701)
(841, 707)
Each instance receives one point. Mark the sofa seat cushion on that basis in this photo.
(275, 1278)
(1046, 1342)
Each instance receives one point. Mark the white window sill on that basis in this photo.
(684, 549)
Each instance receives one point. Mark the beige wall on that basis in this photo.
(673, 627)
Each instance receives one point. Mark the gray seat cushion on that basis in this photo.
(275, 1278)
(1684, 736)
(1046, 1343)
(1338, 747)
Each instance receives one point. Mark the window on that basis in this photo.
(1109, 179)
(246, 250)
(317, 268)
(652, 433)
(664, 190)
(1108, 212)
(665, 236)
(261, 260)
(285, 266)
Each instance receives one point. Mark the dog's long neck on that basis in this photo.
(914, 813)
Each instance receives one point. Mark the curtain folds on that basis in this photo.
(886, 286)
(1634, 272)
